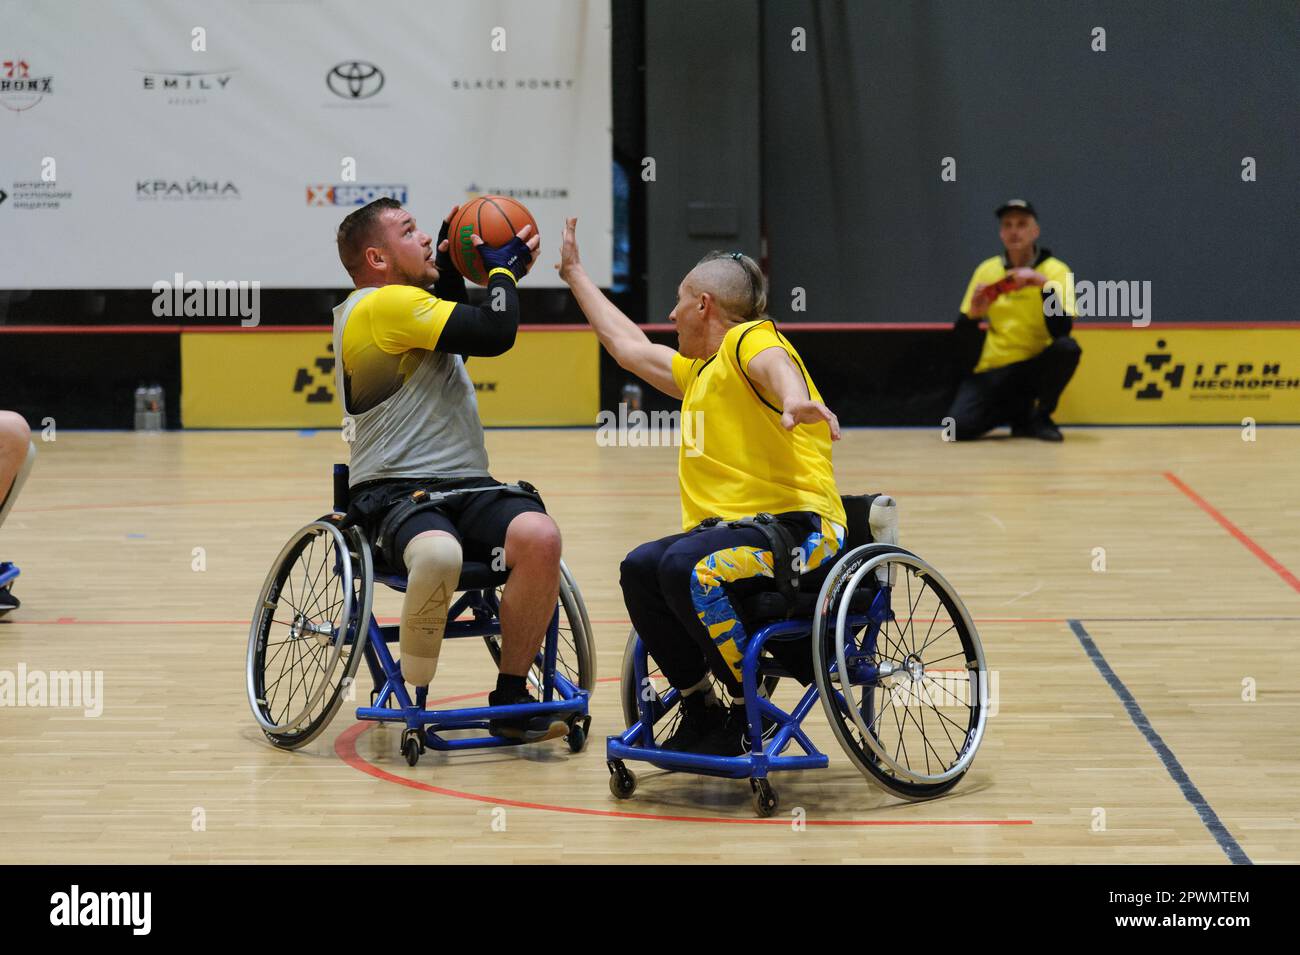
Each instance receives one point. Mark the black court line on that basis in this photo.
(1209, 817)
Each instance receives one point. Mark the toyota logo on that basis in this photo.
(355, 79)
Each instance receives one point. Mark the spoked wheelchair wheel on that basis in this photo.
(575, 651)
(665, 727)
(309, 631)
(900, 670)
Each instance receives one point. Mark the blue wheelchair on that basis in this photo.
(877, 636)
(313, 625)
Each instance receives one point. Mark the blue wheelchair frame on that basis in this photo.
(638, 743)
(8, 572)
(391, 703)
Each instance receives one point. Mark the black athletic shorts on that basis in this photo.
(478, 521)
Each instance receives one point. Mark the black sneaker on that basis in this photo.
(8, 601)
(705, 728)
(1040, 426)
(526, 729)
(740, 724)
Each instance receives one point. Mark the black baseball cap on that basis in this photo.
(1016, 205)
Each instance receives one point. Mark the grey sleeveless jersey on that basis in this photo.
(428, 428)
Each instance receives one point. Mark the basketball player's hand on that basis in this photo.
(443, 261)
(517, 255)
(570, 263)
(806, 411)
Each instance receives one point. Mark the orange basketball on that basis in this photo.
(495, 220)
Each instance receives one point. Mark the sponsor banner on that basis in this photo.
(232, 138)
(257, 379)
(1184, 376)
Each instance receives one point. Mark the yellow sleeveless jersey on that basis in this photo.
(736, 460)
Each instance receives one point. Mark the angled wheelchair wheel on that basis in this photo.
(575, 651)
(309, 632)
(666, 718)
(900, 671)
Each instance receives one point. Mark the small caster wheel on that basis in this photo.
(577, 738)
(765, 798)
(412, 746)
(622, 783)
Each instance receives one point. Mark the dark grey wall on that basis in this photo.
(702, 129)
(1132, 156)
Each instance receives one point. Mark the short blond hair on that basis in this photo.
(735, 281)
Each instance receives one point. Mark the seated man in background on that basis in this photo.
(768, 451)
(402, 381)
(1028, 356)
(16, 453)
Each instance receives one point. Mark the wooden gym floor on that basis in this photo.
(1146, 713)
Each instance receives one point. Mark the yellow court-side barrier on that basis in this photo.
(1184, 376)
(285, 379)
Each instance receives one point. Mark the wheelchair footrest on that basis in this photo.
(733, 767)
(444, 719)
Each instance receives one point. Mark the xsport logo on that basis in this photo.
(352, 194)
(1159, 374)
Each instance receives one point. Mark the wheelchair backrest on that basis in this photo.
(857, 513)
(342, 496)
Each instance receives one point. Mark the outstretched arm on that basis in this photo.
(773, 369)
(626, 343)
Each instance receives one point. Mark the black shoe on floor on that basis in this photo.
(1040, 426)
(526, 729)
(8, 601)
(705, 728)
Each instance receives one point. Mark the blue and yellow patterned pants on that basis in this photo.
(681, 590)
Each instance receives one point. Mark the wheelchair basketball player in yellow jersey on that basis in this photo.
(758, 496)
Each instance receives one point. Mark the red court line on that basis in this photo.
(346, 748)
(128, 504)
(1236, 532)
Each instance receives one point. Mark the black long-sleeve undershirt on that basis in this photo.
(479, 330)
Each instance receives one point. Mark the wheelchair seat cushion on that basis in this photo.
(479, 576)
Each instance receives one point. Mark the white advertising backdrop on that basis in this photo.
(235, 163)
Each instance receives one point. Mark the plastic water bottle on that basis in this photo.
(632, 396)
(155, 416)
(141, 400)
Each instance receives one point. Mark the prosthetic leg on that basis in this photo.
(433, 564)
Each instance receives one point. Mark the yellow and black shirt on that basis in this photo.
(1017, 328)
